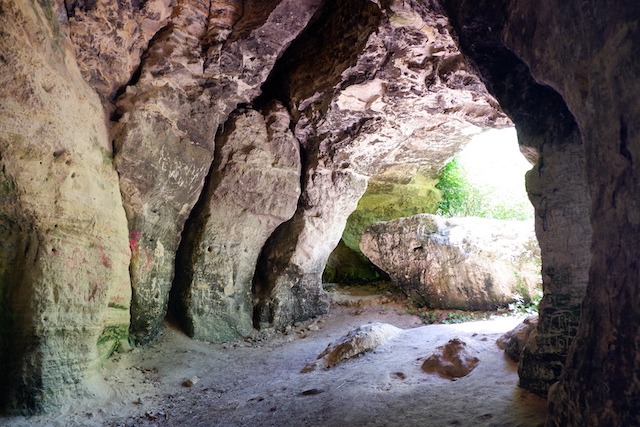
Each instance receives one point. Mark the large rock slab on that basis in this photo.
(358, 341)
(254, 186)
(64, 255)
(456, 263)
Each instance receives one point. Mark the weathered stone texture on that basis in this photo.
(587, 52)
(189, 83)
(557, 185)
(254, 186)
(110, 38)
(64, 282)
(557, 189)
(456, 263)
(452, 360)
(514, 341)
(359, 340)
(368, 87)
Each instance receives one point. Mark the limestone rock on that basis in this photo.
(254, 186)
(456, 263)
(64, 281)
(514, 341)
(451, 361)
(360, 340)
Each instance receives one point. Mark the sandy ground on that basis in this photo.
(257, 382)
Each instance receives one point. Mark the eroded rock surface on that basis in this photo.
(367, 85)
(194, 73)
(514, 341)
(451, 361)
(360, 340)
(64, 282)
(253, 188)
(391, 89)
(457, 263)
(587, 69)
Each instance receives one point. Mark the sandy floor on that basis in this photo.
(257, 382)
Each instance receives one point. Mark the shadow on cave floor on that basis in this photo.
(176, 381)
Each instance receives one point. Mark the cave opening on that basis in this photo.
(485, 179)
(144, 204)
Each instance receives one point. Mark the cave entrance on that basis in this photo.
(484, 180)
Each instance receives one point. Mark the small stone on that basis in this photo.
(451, 361)
(191, 381)
(311, 392)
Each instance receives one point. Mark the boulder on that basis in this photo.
(360, 340)
(457, 263)
(514, 341)
(451, 361)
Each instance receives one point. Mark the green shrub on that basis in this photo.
(462, 197)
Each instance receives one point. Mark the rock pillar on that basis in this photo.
(64, 280)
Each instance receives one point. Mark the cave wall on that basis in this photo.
(557, 188)
(151, 148)
(369, 89)
(118, 136)
(64, 255)
(587, 53)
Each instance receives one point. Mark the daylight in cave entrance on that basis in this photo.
(227, 163)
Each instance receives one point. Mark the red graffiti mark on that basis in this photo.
(106, 261)
(134, 236)
(134, 245)
(94, 291)
(71, 261)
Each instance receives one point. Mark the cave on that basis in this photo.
(192, 165)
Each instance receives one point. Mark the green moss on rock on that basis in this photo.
(111, 338)
(388, 197)
(386, 200)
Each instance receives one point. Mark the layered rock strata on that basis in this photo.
(64, 282)
(456, 263)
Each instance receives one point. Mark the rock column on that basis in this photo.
(253, 188)
(64, 282)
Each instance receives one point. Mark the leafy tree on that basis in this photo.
(462, 197)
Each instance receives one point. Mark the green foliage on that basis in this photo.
(462, 197)
(430, 317)
(525, 304)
